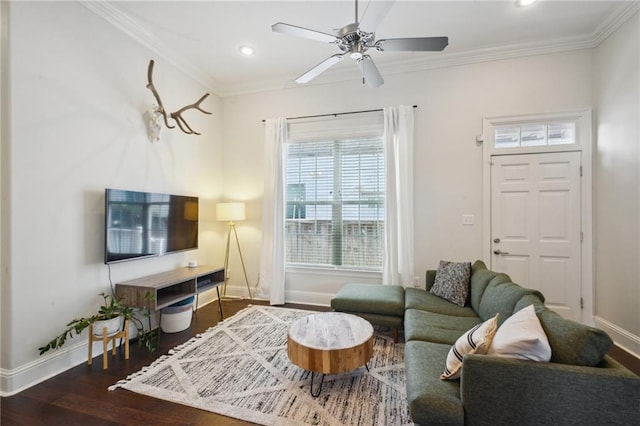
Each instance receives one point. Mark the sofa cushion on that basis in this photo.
(431, 401)
(370, 298)
(501, 297)
(480, 278)
(572, 342)
(433, 327)
(415, 298)
(377, 319)
(452, 281)
(475, 341)
(521, 336)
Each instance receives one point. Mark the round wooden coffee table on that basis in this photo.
(330, 343)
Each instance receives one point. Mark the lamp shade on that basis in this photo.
(229, 212)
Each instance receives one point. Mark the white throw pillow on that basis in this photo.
(521, 336)
(475, 341)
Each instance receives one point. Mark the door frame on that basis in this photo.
(584, 145)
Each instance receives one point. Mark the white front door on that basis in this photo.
(535, 225)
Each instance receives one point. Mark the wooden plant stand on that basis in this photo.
(105, 339)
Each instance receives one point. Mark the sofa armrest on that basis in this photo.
(497, 390)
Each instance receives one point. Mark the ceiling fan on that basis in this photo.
(356, 38)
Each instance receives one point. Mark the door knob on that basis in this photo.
(500, 252)
(496, 240)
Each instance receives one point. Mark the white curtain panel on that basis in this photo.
(272, 261)
(398, 263)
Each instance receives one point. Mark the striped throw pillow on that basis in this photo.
(475, 341)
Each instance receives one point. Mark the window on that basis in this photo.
(534, 134)
(335, 203)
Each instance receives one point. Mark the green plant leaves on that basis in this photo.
(110, 308)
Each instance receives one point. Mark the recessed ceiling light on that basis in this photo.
(247, 50)
(524, 3)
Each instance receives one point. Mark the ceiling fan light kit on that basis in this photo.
(354, 41)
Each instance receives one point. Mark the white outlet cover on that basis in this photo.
(467, 219)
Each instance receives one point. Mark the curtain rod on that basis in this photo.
(335, 114)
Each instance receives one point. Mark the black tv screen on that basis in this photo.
(143, 224)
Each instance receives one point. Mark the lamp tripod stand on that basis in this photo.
(232, 226)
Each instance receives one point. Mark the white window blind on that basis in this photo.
(335, 200)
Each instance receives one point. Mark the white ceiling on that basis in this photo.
(202, 37)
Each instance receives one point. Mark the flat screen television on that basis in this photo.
(144, 224)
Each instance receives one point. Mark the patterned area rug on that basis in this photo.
(240, 368)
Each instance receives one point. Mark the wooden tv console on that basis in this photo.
(170, 287)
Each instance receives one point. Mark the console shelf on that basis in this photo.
(169, 287)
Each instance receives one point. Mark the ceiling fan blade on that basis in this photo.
(281, 27)
(375, 11)
(320, 68)
(370, 72)
(418, 44)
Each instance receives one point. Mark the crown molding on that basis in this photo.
(136, 31)
(615, 21)
(487, 54)
(494, 53)
(444, 60)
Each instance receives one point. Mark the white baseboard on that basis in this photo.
(308, 298)
(60, 360)
(621, 337)
(55, 362)
(301, 297)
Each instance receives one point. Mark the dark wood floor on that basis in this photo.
(79, 396)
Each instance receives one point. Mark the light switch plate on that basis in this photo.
(467, 219)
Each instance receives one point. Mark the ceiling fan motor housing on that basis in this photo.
(354, 41)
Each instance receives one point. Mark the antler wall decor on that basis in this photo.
(177, 115)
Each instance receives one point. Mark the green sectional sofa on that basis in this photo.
(380, 305)
(580, 385)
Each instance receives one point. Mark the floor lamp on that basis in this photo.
(232, 212)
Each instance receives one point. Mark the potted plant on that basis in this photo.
(111, 314)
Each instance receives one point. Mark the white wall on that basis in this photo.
(4, 151)
(76, 99)
(77, 96)
(448, 162)
(617, 192)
